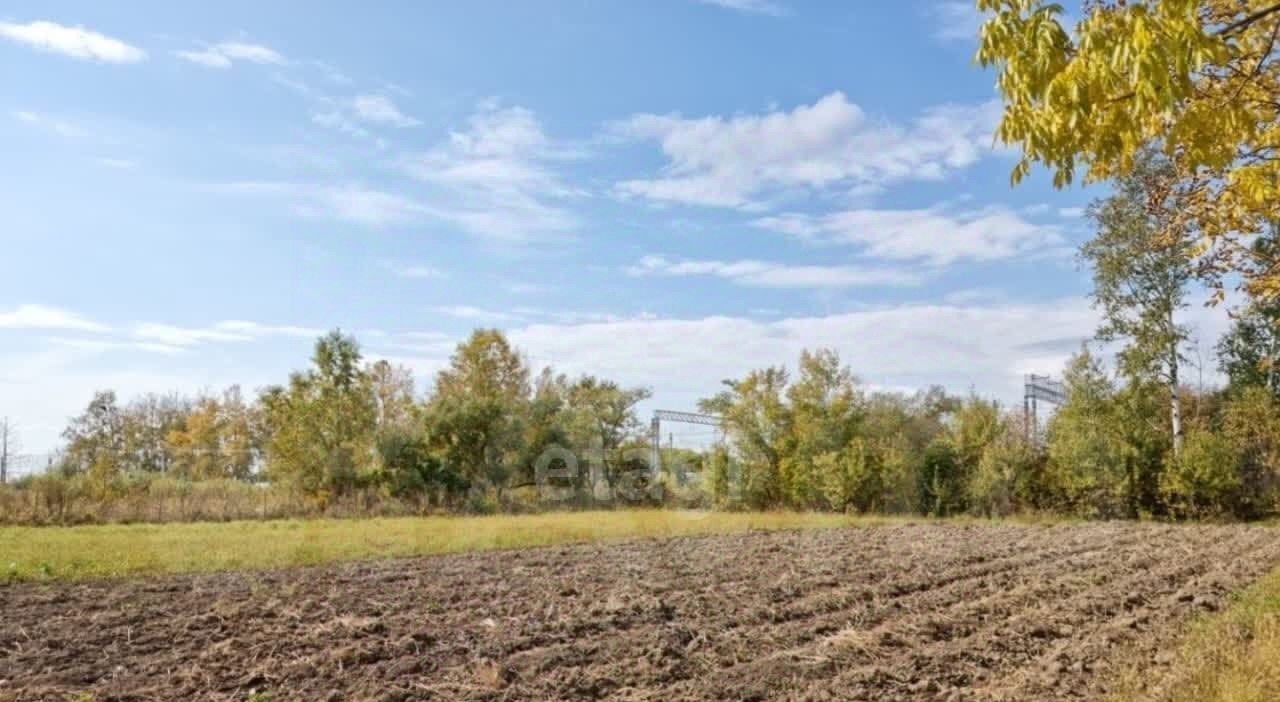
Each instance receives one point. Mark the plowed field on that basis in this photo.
(923, 612)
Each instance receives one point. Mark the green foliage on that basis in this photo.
(322, 426)
(344, 437)
(409, 468)
(941, 487)
(1251, 424)
(1141, 262)
(1249, 352)
(719, 476)
(1086, 451)
(853, 478)
(478, 410)
(1008, 474)
(1205, 479)
(758, 421)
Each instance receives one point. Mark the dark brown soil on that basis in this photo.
(927, 612)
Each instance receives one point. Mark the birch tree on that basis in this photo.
(1141, 258)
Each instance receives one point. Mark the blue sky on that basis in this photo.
(668, 193)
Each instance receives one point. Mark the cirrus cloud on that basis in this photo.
(933, 235)
(76, 42)
(736, 161)
(765, 274)
(225, 54)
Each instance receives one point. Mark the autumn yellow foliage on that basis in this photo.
(1198, 78)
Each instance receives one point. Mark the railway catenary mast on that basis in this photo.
(1039, 387)
(655, 429)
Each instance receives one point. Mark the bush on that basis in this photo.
(1205, 480)
(853, 479)
(1251, 422)
(941, 486)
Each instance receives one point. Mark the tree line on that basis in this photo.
(345, 425)
(1131, 440)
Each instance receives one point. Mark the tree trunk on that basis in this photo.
(1271, 361)
(1175, 406)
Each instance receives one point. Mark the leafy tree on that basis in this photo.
(1141, 265)
(941, 485)
(546, 429)
(603, 419)
(146, 423)
(1009, 474)
(720, 479)
(1249, 353)
(1197, 77)
(826, 408)
(218, 438)
(757, 421)
(1204, 481)
(1251, 424)
(975, 425)
(408, 468)
(95, 440)
(1142, 430)
(197, 445)
(321, 427)
(852, 478)
(476, 414)
(392, 387)
(1086, 451)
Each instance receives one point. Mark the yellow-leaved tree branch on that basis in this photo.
(1198, 79)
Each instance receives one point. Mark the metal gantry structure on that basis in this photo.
(655, 429)
(1040, 388)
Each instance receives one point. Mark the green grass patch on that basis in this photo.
(70, 553)
(1230, 656)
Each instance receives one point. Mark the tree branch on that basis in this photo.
(1248, 20)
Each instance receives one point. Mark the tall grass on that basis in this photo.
(1231, 656)
(74, 552)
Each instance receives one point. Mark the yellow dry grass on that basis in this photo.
(1232, 656)
(57, 553)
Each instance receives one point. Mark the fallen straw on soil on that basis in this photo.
(909, 612)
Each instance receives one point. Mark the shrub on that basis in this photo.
(940, 484)
(1205, 480)
(853, 479)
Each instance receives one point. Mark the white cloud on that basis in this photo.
(985, 347)
(76, 42)
(755, 7)
(776, 275)
(104, 345)
(475, 313)
(956, 20)
(254, 53)
(732, 162)
(210, 58)
(931, 235)
(334, 119)
(1070, 212)
(257, 330)
(183, 336)
(349, 203)
(496, 179)
(46, 317)
(380, 109)
(415, 270)
(225, 54)
(228, 331)
(53, 124)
